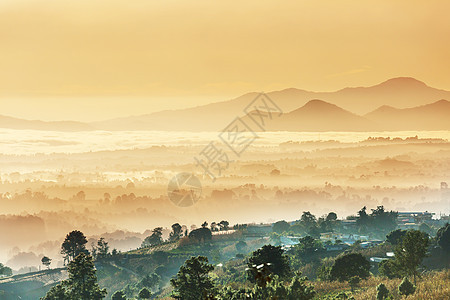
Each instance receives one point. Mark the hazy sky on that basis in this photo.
(87, 60)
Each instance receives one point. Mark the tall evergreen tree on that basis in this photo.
(411, 251)
(57, 292)
(74, 244)
(82, 283)
(192, 281)
(102, 248)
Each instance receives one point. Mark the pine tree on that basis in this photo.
(411, 251)
(82, 280)
(192, 281)
(118, 295)
(406, 287)
(74, 244)
(382, 292)
(144, 294)
(82, 283)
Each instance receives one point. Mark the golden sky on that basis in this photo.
(96, 59)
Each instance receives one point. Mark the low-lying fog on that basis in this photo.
(116, 182)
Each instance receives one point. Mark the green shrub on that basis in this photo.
(382, 292)
(118, 295)
(406, 287)
(349, 265)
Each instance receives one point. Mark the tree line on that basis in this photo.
(270, 269)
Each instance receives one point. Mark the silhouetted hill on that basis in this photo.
(401, 92)
(318, 115)
(16, 123)
(299, 112)
(434, 116)
(210, 117)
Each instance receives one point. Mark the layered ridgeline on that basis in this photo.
(396, 104)
(318, 115)
(434, 116)
(16, 123)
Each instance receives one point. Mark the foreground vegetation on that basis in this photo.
(201, 264)
(432, 285)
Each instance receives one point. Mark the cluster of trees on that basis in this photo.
(141, 289)
(178, 231)
(154, 239)
(308, 224)
(144, 293)
(378, 223)
(101, 250)
(379, 219)
(75, 244)
(274, 280)
(411, 247)
(4, 270)
(270, 271)
(220, 226)
(82, 282)
(405, 288)
(295, 289)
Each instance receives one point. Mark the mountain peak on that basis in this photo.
(319, 104)
(403, 82)
(385, 108)
(442, 102)
(440, 105)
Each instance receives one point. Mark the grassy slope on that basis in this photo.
(434, 285)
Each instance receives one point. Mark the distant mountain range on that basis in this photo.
(318, 115)
(349, 109)
(15, 123)
(434, 116)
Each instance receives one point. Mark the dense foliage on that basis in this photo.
(382, 292)
(4, 270)
(272, 255)
(74, 244)
(411, 251)
(443, 237)
(251, 268)
(349, 265)
(81, 284)
(192, 281)
(406, 287)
